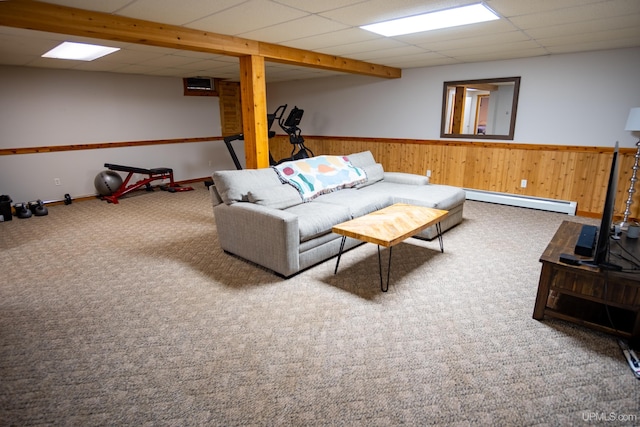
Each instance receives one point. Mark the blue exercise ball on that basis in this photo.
(107, 182)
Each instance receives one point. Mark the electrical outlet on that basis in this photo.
(428, 173)
(56, 181)
(209, 162)
(523, 183)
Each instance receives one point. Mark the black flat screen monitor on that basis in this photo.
(295, 116)
(602, 244)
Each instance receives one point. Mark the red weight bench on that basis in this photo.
(152, 175)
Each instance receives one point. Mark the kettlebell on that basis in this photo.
(22, 211)
(38, 208)
(41, 210)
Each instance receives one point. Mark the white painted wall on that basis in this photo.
(45, 107)
(499, 117)
(574, 99)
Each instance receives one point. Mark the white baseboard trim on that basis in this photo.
(562, 206)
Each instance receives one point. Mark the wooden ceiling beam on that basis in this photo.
(254, 112)
(35, 15)
(288, 55)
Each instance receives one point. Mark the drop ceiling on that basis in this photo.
(527, 28)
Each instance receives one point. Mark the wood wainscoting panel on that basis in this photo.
(230, 108)
(574, 173)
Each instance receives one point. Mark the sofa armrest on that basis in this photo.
(264, 235)
(405, 178)
(215, 197)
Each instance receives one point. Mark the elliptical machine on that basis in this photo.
(290, 126)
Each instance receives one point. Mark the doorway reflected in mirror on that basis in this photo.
(484, 109)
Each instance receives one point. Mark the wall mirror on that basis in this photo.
(483, 108)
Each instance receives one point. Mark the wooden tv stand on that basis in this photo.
(604, 300)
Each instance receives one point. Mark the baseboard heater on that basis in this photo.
(562, 206)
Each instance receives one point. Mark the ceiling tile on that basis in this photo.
(418, 54)
(166, 71)
(307, 26)
(126, 56)
(586, 28)
(247, 16)
(170, 61)
(135, 69)
(107, 6)
(367, 46)
(15, 45)
(509, 8)
(508, 48)
(15, 58)
(591, 46)
(376, 55)
(53, 63)
(424, 60)
(462, 32)
(205, 65)
(174, 12)
(315, 6)
(599, 37)
(496, 55)
(486, 40)
(586, 13)
(31, 34)
(374, 11)
(353, 35)
(202, 56)
(98, 66)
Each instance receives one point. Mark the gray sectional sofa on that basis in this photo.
(265, 221)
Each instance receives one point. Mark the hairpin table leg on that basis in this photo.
(384, 288)
(340, 253)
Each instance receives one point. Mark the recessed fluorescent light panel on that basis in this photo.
(434, 21)
(79, 51)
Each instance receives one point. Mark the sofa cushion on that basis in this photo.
(432, 196)
(280, 196)
(362, 159)
(316, 219)
(443, 197)
(405, 178)
(375, 173)
(365, 161)
(359, 202)
(234, 185)
(319, 175)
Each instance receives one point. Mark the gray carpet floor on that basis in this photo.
(130, 314)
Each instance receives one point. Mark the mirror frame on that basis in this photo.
(514, 107)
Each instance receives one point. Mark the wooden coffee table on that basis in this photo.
(389, 226)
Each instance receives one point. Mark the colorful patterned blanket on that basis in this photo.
(319, 175)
